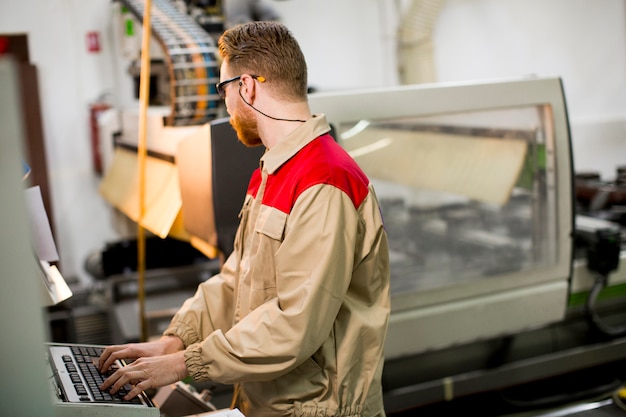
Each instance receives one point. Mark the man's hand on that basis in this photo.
(146, 373)
(163, 346)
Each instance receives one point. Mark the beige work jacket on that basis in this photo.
(298, 315)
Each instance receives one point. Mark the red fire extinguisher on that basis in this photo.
(95, 109)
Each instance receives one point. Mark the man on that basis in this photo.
(297, 316)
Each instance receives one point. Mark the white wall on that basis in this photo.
(348, 44)
(582, 41)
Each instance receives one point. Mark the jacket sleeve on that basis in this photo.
(313, 267)
(208, 310)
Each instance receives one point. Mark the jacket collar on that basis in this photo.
(296, 140)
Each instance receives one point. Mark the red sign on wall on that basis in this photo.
(93, 41)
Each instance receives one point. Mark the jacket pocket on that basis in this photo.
(271, 222)
(269, 230)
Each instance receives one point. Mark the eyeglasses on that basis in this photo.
(220, 86)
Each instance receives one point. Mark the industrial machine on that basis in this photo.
(476, 184)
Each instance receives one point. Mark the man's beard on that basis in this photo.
(246, 127)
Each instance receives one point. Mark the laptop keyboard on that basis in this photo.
(79, 379)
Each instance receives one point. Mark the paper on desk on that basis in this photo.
(221, 413)
(481, 168)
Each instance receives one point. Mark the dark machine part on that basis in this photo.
(600, 198)
(603, 249)
(601, 241)
(209, 14)
(121, 256)
(605, 201)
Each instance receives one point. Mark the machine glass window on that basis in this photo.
(465, 196)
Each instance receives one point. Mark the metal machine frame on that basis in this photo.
(455, 341)
(441, 317)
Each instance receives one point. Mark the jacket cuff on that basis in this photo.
(195, 366)
(185, 333)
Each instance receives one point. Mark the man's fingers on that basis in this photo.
(145, 373)
(113, 353)
(137, 389)
(108, 357)
(109, 382)
(117, 380)
(105, 361)
(102, 361)
(124, 377)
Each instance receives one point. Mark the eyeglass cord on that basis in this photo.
(267, 115)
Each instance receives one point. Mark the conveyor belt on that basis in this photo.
(191, 60)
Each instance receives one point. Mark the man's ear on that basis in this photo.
(247, 87)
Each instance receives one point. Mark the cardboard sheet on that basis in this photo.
(120, 187)
(193, 158)
(481, 168)
(164, 190)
